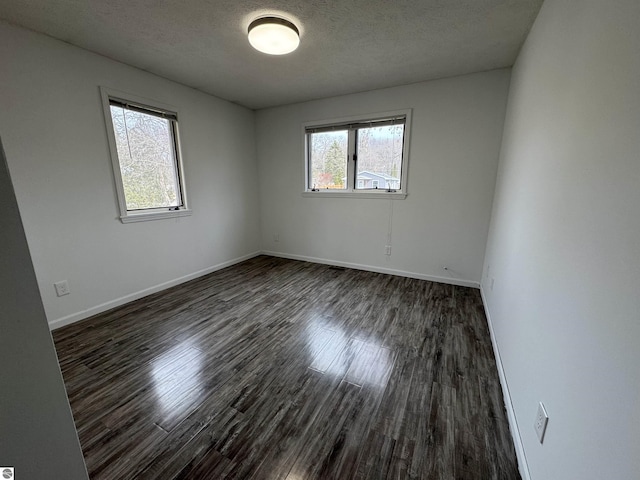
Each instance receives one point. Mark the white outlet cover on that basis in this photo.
(540, 424)
(62, 288)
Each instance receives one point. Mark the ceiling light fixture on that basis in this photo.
(273, 35)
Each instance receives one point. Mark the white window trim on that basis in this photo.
(127, 216)
(351, 192)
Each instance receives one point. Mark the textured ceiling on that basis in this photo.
(346, 46)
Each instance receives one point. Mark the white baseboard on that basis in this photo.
(103, 307)
(370, 268)
(81, 315)
(511, 414)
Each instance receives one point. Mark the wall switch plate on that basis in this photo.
(493, 281)
(541, 422)
(387, 249)
(62, 288)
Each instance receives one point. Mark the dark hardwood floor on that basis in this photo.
(278, 369)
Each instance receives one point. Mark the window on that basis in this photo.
(329, 159)
(145, 153)
(358, 156)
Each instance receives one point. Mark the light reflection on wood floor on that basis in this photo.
(277, 369)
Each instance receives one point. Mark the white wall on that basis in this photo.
(564, 244)
(455, 141)
(55, 139)
(37, 434)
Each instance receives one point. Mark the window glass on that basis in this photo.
(379, 154)
(328, 160)
(147, 157)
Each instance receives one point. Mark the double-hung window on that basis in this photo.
(145, 153)
(358, 156)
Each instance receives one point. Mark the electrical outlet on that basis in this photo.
(541, 422)
(62, 288)
(493, 280)
(276, 237)
(488, 270)
(387, 249)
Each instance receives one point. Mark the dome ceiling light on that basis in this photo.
(274, 35)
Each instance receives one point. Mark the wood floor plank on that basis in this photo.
(275, 369)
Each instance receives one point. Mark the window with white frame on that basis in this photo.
(145, 153)
(358, 155)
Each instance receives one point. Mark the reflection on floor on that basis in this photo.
(278, 369)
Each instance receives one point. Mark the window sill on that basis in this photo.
(147, 216)
(351, 194)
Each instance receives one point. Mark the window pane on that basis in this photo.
(379, 162)
(328, 159)
(147, 159)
